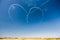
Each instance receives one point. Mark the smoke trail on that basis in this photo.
(12, 6)
(33, 10)
(45, 3)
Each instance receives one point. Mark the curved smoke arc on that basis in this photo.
(31, 10)
(28, 13)
(13, 6)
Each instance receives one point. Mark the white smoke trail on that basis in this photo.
(44, 3)
(12, 6)
(30, 12)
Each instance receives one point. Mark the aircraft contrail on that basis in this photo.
(44, 3)
(30, 12)
(12, 6)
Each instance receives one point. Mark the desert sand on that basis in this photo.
(29, 38)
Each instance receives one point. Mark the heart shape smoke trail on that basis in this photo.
(28, 13)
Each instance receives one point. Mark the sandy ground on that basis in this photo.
(29, 38)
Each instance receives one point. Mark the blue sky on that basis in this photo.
(15, 24)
